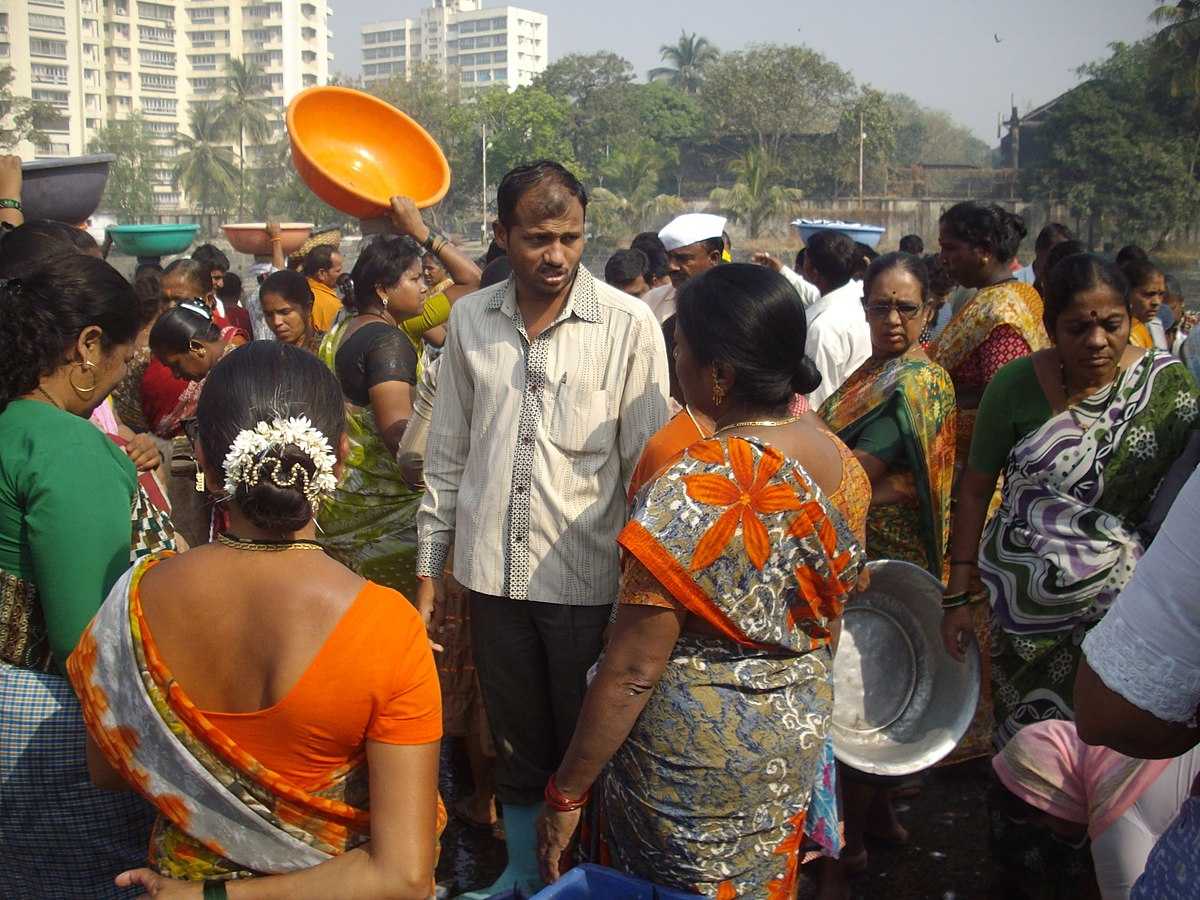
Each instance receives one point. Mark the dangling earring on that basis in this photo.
(200, 481)
(718, 391)
(83, 392)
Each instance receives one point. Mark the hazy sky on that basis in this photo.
(942, 52)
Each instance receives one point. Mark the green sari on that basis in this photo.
(370, 522)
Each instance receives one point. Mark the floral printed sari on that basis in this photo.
(222, 814)
(918, 395)
(1065, 538)
(744, 540)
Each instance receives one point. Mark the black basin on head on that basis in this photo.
(65, 189)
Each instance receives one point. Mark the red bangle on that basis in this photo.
(560, 802)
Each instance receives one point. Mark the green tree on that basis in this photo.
(877, 118)
(669, 120)
(279, 193)
(599, 88)
(205, 168)
(1177, 62)
(21, 119)
(244, 111)
(769, 93)
(931, 136)
(685, 61)
(525, 125)
(756, 196)
(129, 192)
(1115, 151)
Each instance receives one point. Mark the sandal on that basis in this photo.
(460, 810)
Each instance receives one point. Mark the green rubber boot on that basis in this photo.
(520, 837)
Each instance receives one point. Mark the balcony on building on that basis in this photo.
(45, 22)
(151, 35)
(156, 12)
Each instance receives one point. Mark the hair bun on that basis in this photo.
(273, 506)
(806, 378)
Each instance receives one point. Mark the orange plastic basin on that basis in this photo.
(356, 152)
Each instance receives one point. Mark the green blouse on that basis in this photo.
(1013, 407)
(66, 497)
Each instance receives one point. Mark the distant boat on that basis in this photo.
(856, 231)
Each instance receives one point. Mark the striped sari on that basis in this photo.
(1065, 540)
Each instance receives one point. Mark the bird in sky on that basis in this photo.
(997, 38)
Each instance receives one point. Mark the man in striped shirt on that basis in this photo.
(550, 385)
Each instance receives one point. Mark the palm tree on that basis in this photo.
(244, 111)
(205, 168)
(621, 217)
(633, 169)
(754, 197)
(685, 61)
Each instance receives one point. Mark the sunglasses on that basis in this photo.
(907, 311)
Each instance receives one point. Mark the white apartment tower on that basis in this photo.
(478, 46)
(97, 60)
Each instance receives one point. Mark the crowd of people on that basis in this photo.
(262, 550)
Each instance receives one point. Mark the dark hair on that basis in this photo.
(318, 258)
(179, 326)
(212, 257)
(148, 288)
(519, 181)
(625, 266)
(1131, 252)
(291, 286)
(231, 288)
(1061, 251)
(911, 264)
(656, 254)
(264, 381)
(751, 319)
(22, 248)
(912, 243)
(1051, 234)
(495, 272)
(382, 263)
(941, 282)
(147, 268)
(196, 272)
(42, 315)
(832, 255)
(494, 252)
(864, 256)
(986, 225)
(1138, 271)
(798, 265)
(1075, 274)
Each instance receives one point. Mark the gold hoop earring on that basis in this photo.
(83, 392)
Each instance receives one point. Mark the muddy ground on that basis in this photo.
(946, 858)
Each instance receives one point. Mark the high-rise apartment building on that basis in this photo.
(478, 46)
(97, 60)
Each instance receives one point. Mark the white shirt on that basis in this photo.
(532, 443)
(661, 301)
(1158, 334)
(1147, 647)
(809, 292)
(839, 339)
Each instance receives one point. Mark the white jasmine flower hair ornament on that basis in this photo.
(245, 463)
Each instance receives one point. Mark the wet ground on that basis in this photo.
(946, 858)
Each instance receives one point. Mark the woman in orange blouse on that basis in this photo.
(264, 719)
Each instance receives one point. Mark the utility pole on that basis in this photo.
(862, 139)
(483, 229)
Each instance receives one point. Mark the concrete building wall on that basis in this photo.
(478, 46)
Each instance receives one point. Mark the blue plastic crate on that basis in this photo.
(589, 882)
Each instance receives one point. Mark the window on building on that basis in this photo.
(159, 106)
(54, 148)
(58, 98)
(499, 74)
(157, 129)
(156, 35)
(92, 124)
(466, 27)
(167, 198)
(43, 22)
(483, 76)
(500, 56)
(156, 11)
(161, 59)
(499, 23)
(203, 16)
(204, 61)
(309, 79)
(468, 76)
(5, 51)
(45, 74)
(3, 23)
(47, 47)
(155, 82)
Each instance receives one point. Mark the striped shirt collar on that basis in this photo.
(582, 302)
